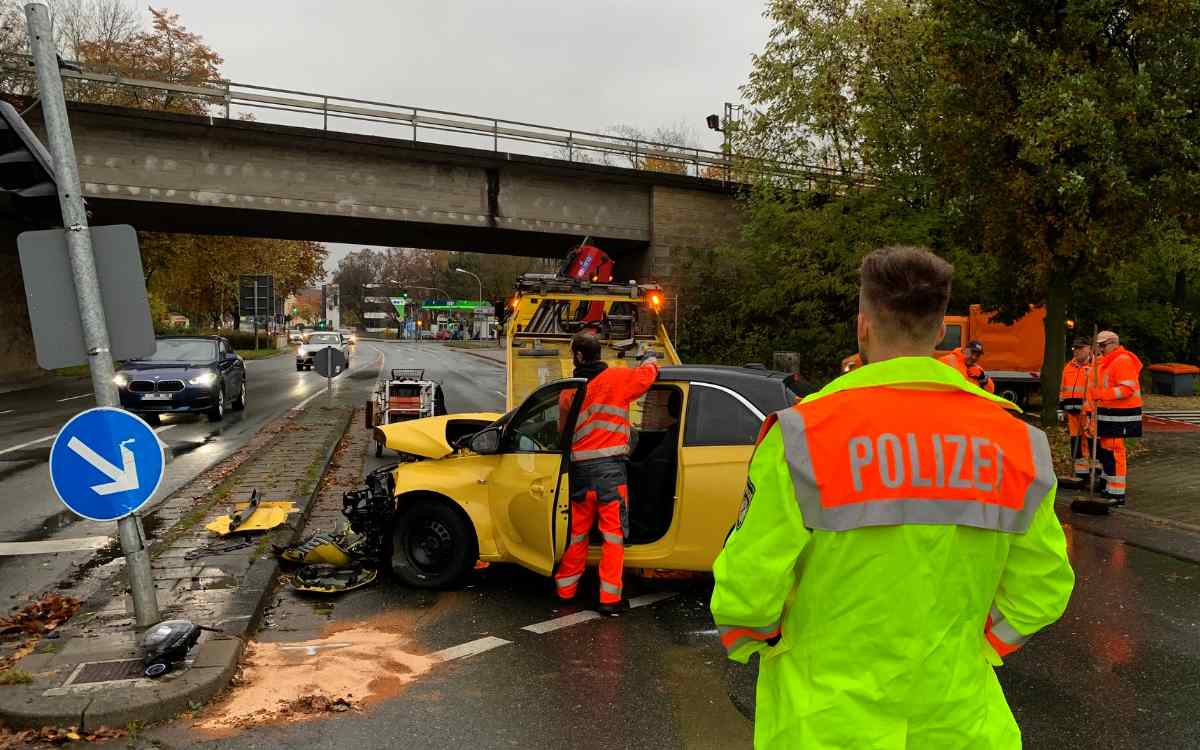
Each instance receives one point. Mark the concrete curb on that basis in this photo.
(1153, 533)
(214, 663)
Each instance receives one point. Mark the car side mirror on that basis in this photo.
(486, 442)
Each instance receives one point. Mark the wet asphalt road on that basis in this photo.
(1120, 670)
(31, 512)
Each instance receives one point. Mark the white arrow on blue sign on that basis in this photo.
(106, 463)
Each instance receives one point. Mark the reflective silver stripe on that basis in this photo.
(800, 465)
(562, 583)
(897, 511)
(600, 424)
(1044, 477)
(615, 450)
(608, 588)
(595, 409)
(1119, 418)
(613, 538)
(1005, 632)
(1119, 392)
(577, 538)
(768, 630)
(1130, 383)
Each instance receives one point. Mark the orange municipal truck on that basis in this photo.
(1012, 354)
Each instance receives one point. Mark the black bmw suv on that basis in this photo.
(186, 374)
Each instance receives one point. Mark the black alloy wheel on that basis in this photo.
(217, 413)
(239, 403)
(433, 545)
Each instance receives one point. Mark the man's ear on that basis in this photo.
(941, 335)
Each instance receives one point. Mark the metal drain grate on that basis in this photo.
(107, 671)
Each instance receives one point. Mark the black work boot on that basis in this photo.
(613, 609)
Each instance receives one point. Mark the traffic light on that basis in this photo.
(28, 193)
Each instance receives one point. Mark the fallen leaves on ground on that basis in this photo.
(40, 617)
(56, 736)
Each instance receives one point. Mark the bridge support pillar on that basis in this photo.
(683, 222)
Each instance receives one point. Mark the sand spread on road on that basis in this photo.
(281, 681)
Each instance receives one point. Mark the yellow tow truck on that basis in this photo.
(493, 487)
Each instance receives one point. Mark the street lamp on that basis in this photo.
(480, 302)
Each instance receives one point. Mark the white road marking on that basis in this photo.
(54, 546)
(26, 445)
(7, 411)
(72, 398)
(646, 599)
(313, 648)
(566, 621)
(470, 648)
(500, 393)
(164, 428)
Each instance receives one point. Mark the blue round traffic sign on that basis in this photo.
(106, 463)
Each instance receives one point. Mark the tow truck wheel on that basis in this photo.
(433, 545)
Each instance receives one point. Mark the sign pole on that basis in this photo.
(83, 267)
(255, 313)
(87, 285)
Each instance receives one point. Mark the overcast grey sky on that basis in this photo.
(589, 66)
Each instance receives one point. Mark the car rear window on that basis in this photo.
(716, 418)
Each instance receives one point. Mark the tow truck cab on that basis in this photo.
(547, 310)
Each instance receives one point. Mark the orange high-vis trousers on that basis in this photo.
(1076, 421)
(1111, 452)
(598, 488)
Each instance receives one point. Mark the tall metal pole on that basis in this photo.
(87, 284)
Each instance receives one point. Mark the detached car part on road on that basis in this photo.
(186, 374)
(495, 487)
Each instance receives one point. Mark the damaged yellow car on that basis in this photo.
(495, 487)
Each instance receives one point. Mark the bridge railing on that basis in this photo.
(230, 100)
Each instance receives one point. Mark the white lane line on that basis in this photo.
(7, 411)
(72, 398)
(566, 621)
(500, 393)
(470, 648)
(53, 546)
(26, 445)
(164, 428)
(647, 599)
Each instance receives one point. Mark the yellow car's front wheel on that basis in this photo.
(433, 545)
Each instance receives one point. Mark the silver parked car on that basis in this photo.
(315, 342)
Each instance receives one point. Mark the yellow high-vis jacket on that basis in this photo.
(897, 538)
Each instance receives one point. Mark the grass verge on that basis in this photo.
(260, 353)
(14, 676)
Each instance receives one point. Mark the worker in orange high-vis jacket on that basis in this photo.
(1116, 394)
(897, 539)
(965, 359)
(1072, 392)
(599, 469)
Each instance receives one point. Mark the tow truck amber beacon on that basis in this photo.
(494, 487)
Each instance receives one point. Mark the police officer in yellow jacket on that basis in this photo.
(897, 539)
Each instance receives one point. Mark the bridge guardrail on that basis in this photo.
(220, 98)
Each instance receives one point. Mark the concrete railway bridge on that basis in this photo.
(342, 170)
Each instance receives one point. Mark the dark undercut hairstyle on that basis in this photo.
(587, 346)
(907, 289)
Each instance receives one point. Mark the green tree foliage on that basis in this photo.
(1049, 147)
(790, 282)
